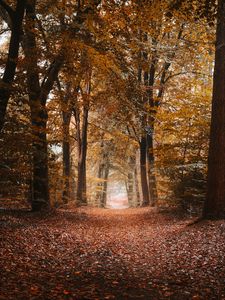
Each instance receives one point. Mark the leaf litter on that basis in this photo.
(91, 253)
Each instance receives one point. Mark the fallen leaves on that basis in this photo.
(108, 254)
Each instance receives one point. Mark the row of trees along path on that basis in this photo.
(59, 69)
(92, 90)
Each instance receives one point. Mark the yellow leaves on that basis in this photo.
(104, 62)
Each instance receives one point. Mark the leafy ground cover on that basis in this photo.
(90, 253)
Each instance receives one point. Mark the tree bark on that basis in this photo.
(66, 118)
(66, 156)
(131, 185)
(136, 180)
(105, 184)
(215, 200)
(16, 18)
(130, 188)
(40, 197)
(151, 170)
(153, 103)
(144, 180)
(81, 179)
(150, 130)
(82, 130)
(37, 99)
(143, 141)
(103, 174)
(99, 195)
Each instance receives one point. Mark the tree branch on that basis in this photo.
(186, 73)
(51, 77)
(7, 8)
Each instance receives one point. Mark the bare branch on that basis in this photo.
(186, 73)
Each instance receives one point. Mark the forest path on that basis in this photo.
(89, 253)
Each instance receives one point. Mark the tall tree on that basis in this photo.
(103, 172)
(38, 94)
(66, 119)
(215, 200)
(82, 130)
(14, 18)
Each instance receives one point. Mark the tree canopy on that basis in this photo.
(99, 91)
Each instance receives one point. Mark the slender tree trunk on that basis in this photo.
(149, 81)
(215, 201)
(136, 180)
(82, 138)
(105, 184)
(144, 180)
(81, 180)
(143, 142)
(16, 18)
(66, 108)
(150, 130)
(151, 169)
(66, 156)
(99, 195)
(103, 174)
(130, 188)
(73, 182)
(131, 181)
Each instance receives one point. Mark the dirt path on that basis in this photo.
(110, 254)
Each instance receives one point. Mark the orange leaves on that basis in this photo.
(111, 254)
(65, 292)
(34, 289)
(77, 273)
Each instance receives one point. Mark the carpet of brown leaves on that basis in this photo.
(91, 253)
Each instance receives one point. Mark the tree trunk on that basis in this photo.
(149, 81)
(150, 130)
(143, 142)
(81, 179)
(40, 199)
(82, 130)
(136, 180)
(130, 188)
(66, 156)
(103, 174)
(151, 169)
(105, 184)
(37, 100)
(215, 200)
(99, 195)
(144, 181)
(131, 182)
(16, 18)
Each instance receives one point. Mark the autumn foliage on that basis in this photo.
(112, 138)
(105, 92)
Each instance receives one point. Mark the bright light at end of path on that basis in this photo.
(117, 196)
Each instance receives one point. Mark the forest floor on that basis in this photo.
(89, 253)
